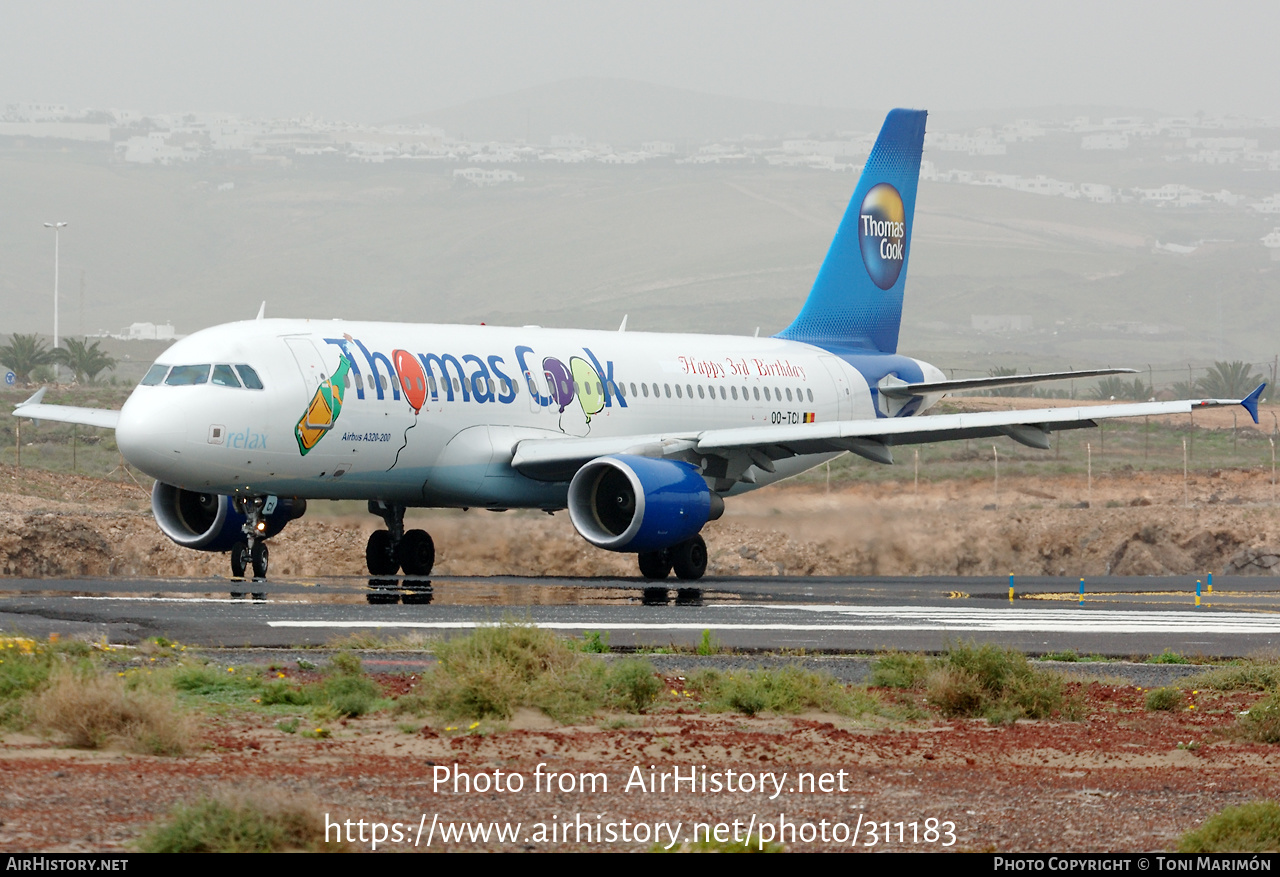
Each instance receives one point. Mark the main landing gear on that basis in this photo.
(688, 559)
(250, 553)
(393, 549)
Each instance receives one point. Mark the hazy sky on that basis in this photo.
(379, 59)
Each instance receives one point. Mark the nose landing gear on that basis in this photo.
(251, 552)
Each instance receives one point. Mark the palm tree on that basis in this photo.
(24, 354)
(85, 360)
(1229, 380)
(1118, 388)
(1004, 371)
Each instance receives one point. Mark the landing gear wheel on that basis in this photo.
(239, 560)
(378, 555)
(689, 559)
(655, 564)
(417, 553)
(258, 558)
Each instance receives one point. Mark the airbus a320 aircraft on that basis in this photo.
(641, 436)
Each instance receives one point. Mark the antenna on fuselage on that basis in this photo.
(262, 311)
(757, 327)
(622, 327)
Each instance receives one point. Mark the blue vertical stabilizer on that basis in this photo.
(856, 302)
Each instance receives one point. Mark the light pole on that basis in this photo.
(57, 228)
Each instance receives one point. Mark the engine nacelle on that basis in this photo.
(209, 521)
(628, 503)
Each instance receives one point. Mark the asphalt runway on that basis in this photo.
(1119, 617)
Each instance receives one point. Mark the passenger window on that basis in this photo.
(633, 388)
(722, 393)
(223, 376)
(155, 375)
(679, 395)
(757, 392)
(188, 375)
(766, 394)
(701, 394)
(788, 394)
(689, 389)
(644, 388)
(249, 377)
(810, 392)
(667, 388)
(734, 392)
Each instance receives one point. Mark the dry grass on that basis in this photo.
(263, 820)
(94, 712)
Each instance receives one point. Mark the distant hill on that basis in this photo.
(624, 113)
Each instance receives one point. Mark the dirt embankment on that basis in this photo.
(1136, 524)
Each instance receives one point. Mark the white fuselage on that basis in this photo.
(480, 389)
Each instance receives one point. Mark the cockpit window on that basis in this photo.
(223, 376)
(155, 375)
(186, 375)
(250, 377)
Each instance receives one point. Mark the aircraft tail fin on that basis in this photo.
(856, 300)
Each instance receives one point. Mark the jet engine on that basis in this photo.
(209, 521)
(629, 503)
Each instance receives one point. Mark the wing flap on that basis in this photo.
(901, 389)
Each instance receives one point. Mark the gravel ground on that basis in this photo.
(1123, 778)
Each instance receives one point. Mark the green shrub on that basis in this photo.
(594, 642)
(998, 683)
(633, 685)
(495, 670)
(1168, 657)
(708, 645)
(955, 692)
(261, 822)
(348, 696)
(1251, 676)
(345, 662)
(788, 690)
(898, 670)
(1167, 699)
(1249, 828)
(1262, 722)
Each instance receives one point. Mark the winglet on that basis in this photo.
(35, 398)
(262, 311)
(1250, 402)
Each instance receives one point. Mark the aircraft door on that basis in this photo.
(310, 364)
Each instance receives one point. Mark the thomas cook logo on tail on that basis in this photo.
(882, 234)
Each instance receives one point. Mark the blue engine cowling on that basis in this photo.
(209, 521)
(627, 503)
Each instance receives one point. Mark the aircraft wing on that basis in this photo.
(36, 410)
(729, 454)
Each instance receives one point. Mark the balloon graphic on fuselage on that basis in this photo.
(559, 381)
(413, 380)
(590, 392)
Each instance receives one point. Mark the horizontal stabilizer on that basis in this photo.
(905, 390)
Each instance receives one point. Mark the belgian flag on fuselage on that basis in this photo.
(856, 301)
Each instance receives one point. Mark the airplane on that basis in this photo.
(641, 436)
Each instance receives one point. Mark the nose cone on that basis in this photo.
(150, 434)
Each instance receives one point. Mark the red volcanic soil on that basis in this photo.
(1123, 778)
